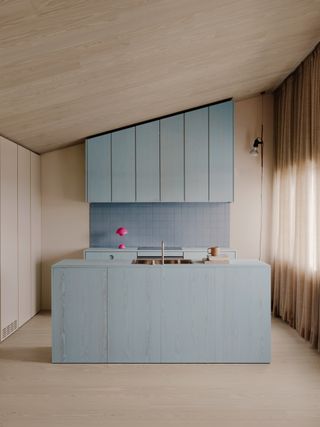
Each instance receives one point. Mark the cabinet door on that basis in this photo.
(134, 315)
(196, 156)
(221, 152)
(79, 315)
(147, 153)
(9, 237)
(24, 235)
(172, 158)
(123, 165)
(187, 317)
(35, 233)
(98, 164)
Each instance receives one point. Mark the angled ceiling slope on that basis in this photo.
(73, 68)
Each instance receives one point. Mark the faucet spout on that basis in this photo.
(162, 252)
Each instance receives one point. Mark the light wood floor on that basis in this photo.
(33, 392)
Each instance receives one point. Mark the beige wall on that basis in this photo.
(65, 215)
(245, 211)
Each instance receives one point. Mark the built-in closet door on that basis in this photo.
(35, 233)
(8, 237)
(24, 235)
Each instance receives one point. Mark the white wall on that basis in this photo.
(65, 215)
(245, 211)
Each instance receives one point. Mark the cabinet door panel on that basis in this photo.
(196, 156)
(98, 164)
(147, 152)
(172, 158)
(9, 236)
(79, 315)
(187, 318)
(24, 235)
(123, 165)
(221, 152)
(134, 315)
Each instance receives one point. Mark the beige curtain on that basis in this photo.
(296, 217)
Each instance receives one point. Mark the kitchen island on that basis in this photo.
(127, 313)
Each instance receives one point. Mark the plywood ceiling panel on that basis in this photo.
(73, 68)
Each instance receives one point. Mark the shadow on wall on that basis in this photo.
(46, 275)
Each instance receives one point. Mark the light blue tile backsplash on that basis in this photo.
(178, 224)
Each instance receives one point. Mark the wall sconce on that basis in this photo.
(254, 150)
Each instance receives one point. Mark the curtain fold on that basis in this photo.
(296, 200)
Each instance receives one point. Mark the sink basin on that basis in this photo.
(157, 261)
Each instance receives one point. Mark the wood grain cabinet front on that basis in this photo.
(187, 157)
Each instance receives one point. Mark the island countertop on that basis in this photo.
(81, 263)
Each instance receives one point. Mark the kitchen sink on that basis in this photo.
(158, 261)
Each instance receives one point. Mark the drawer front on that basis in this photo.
(229, 254)
(195, 255)
(110, 256)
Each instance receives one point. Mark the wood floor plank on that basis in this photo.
(34, 392)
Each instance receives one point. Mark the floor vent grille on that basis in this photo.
(9, 329)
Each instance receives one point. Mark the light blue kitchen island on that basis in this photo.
(125, 313)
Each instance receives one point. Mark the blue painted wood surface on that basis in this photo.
(172, 158)
(196, 156)
(148, 162)
(168, 314)
(79, 315)
(134, 315)
(123, 166)
(98, 169)
(221, 152)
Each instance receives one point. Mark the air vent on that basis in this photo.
(9, 329)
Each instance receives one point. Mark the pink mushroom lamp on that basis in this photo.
(122, 231)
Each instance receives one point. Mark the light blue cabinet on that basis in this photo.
(79, 317)
(196, 155)
(169, 314)
(134, 315)
(98, 169)
(172, 158)
(187, 157)
(147, 162)
(187, 317)
(221, 152)
(123, 165)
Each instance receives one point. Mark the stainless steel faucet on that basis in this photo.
(162, 252)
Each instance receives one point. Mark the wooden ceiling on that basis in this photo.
(74, 68)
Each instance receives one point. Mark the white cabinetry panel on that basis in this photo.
(9, 237)
(24, 235)
(35, 233)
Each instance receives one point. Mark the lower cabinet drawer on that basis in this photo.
(110, 256)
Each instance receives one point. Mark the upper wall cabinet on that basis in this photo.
(123, 166)
(147, 162)
(196, 156)
(187, 157)
(221, 152)
(172, 158)
(98, 164)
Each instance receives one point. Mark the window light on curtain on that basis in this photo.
(296, 205)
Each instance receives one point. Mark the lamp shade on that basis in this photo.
(122, 231)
